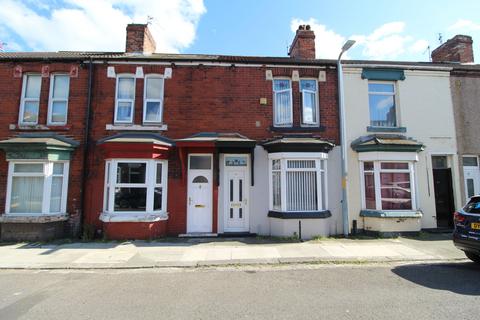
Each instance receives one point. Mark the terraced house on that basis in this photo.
(44, 99)
(205, 145)
(140, 145)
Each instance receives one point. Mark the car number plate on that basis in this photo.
(475, 225)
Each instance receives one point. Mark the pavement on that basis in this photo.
(215, 252)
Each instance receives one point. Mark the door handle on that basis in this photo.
(189, 201)
(245, 201)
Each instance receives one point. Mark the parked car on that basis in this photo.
(466, 235)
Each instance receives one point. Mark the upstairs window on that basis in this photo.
(309, 90)
(282, 102)
(153, 99)
(381, 97)
(125, 99)
(30, 100)
(58, 100)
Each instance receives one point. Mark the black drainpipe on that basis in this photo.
(86, 140)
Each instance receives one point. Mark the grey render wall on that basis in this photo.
(466, 105)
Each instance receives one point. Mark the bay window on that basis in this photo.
(134, 186)
(153, 99)
(125, 98)
(309, 91)
(282, 102)
(297, 184)
(388, 185)
(30, 99)
(58, 100)
(36, 188)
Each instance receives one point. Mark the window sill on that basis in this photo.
(390, 214)
(134, 127)
(300, 215)
(386, 129)
(297, 129)
(133, 217)
(39, 127)
(38, 218)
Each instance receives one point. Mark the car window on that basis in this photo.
(473, 206)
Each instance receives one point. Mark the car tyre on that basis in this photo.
(473, 256)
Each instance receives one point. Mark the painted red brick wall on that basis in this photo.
(201, 99)
(10, 94)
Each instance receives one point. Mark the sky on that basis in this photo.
(384, 30)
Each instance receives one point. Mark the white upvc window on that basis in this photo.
(297, 182)
(282, 103)
(58, 99)
(135, 186)
(30, 100)
(382, 103)
(36, 187)
(310, 113)
(153, 99)
(125, 98)
(388, 185)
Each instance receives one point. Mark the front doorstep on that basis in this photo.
(198, 235)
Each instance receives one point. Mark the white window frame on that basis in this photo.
(395, 101)
(132, 101)
(275, 102)
(111, 166)
(47, 174)
(145, 99)
(51, 100)
(317, 104)
(23, 99)
(376, 174)
(320, 169)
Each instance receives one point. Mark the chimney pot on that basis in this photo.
(303, 45)
(457, 49)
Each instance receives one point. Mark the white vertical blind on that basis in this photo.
(301, 185)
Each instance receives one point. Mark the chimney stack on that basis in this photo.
(457, 49)
(303, 45)
(139, 39)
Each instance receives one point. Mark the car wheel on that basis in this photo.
(472, 256)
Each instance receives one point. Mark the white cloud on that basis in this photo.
(419, 46)
(464, 26)
(100, 24)
(327, 42)
(388, 41)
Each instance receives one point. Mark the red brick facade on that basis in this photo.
(233, 95)
(10, 95)
(201, 99)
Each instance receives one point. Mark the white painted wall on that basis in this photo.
(424, 107)
(259, 197)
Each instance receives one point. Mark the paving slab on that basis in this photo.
(204, 252)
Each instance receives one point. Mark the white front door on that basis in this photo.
(236, 186)
(199, 201)
(471, 175)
